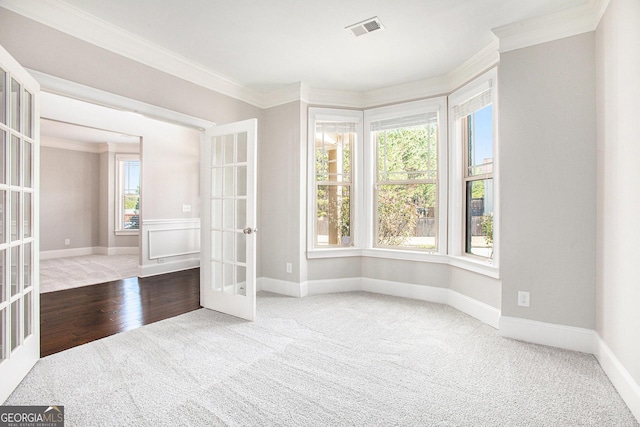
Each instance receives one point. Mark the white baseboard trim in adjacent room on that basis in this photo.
(626, 386)
(167, 267)
(64, 253)
(561, 336)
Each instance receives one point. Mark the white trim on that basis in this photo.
(277, 286)
(566, 23)
(95, 250)
(172, 221)
(561, 336)
(153, 255)
(168, 267)
(474, 308)
(479, 310)
(620, 377)
(70, 89)
(488, 57)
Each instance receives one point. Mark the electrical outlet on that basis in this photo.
(289, 267)
(523, 299)
(186, 208)
(160, 260)
(67, 242)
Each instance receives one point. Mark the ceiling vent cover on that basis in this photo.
(367, 26)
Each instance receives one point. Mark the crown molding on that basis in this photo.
(485, 59)
(566, 23)
(73, 21)
(66, 144)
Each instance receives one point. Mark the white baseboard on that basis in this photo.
(561, 336)
(167, 267)
(624, 383)
(474, 308)
(95, 250)
(481, 311)
(277, 286)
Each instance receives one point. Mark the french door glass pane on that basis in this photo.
(216, 245)
(406, 216)
(227, 279)
(241, 213)
(26, 164)
(216, 182)
(227, 214)
(3, 215)
(3, 277)
(228, 181)
(479, 218)
(28, 114)
(14, 259)
(27, 215)
(241, 280)
(3, 142)
(27, 255)
(14, 108)
(3, 112)
(227, 244)
(15, 221)
(15, 324)
(216, 275)
(3, 336)
(15, 160)
(241, 181)
(241, 248)
(242, 147)
(28, 314)
(216, 213)
(216, 152)
(228, 148)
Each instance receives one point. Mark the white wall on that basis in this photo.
(618, 227)
(548, 180)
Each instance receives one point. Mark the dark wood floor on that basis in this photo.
(77, 316)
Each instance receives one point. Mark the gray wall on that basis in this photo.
(279, 186)
(69, 199)
(548, 177)
(618, 266)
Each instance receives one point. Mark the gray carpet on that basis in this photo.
(329, 360)
(72, 272)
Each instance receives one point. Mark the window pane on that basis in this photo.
(15, 263)
(15, 219)
(26, 165)
(242, 147)
(333, 222)
(334, 145)
(27, 215)
(28, 262)
(15, 160)
(3, 284)
(3, 113)
(228, 148)
(407, 153)
(3, 215)
(15, 324)
(3, 341)
(28, 114)
(479, 136)
(216, 151)
(28, 314)
(3, 142)
(241, 280)
(14, 108)
(406, 216)
(479, 218)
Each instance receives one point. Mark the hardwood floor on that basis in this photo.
(77, 316)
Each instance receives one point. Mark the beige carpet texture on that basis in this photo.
(353, 359)
(72, 272)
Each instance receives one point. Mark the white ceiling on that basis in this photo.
(267, 45)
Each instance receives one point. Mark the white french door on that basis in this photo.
(19, 234)
(228, 252)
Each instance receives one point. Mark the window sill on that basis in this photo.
(478, 266)
(126, 232)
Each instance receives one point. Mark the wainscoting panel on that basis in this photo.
(170, 245)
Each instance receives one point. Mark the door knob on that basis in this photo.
(249, 230)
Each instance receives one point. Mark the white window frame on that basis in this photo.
(338, 115)
(434, 105)
(119, 200)
(457, 194)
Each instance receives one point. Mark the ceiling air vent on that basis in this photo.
(367, 26)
